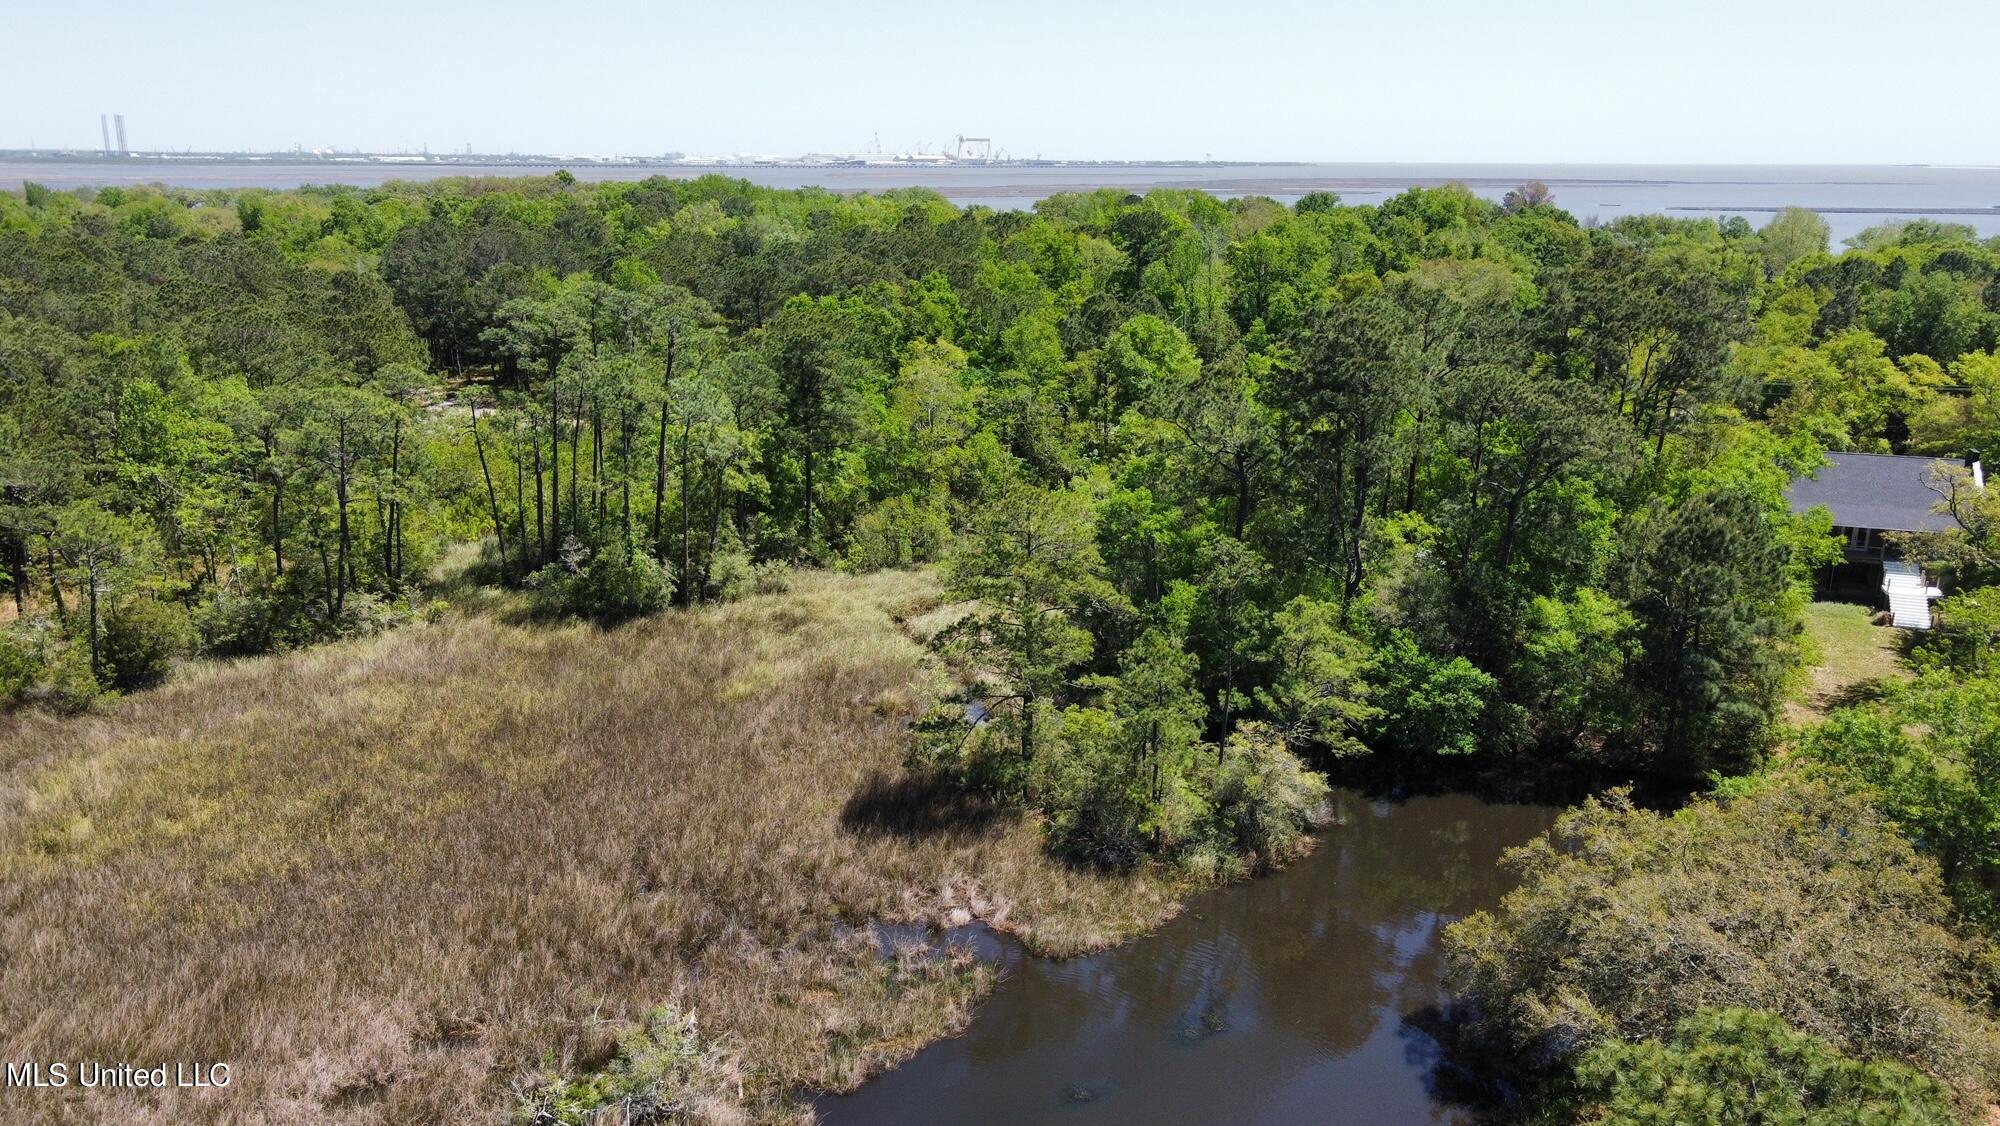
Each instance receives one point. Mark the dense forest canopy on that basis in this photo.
(1223, 483)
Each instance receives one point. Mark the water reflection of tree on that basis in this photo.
(1303, 965)
(1146, 989)
(1318, 943)
(1327, 950)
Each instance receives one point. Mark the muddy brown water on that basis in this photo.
(1286, 999)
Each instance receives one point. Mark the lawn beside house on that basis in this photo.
(1846, 652)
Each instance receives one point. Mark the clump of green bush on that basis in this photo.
(1135, 772)
(142, 639)
(1746, 1067)
(48, 662)
(899, 532)
(258, 611)
(1785, 893)
(665, 1070)
(613, 586)
(1263, 801)
(1966, 635)
(1114, 789)
(773, 576)
(41, 665)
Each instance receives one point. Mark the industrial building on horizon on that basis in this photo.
(961, 150)
(964, 149)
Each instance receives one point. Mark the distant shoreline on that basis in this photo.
(1405, 172)
(1850, 197)
(1377, 176)
(1994, 210)
(532, 160)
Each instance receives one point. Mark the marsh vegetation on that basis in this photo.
(410, 876)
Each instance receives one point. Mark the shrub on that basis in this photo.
(364, 615)
(235, 624)
(20, 664)
(665, 1071)
(1211, 863)
(67, 684)
(616, 586)
(1096, 808)
(1930, 757)
(1105, 805)
(1788, 894)
(899, 532)
(1967, 634)
(1746, 1067)
(141, 640)
(41, 666)
(1264, 800)
(772, 577)
(730, 570)
(260, 611)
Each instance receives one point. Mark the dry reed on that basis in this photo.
(403, 879)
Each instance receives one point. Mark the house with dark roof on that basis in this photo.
(1871, 495)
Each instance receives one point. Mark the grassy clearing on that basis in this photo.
(1848, 653)
(412, 878)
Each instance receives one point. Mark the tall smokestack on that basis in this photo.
(122, 146)
(104, 126)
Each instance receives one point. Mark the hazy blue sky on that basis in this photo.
(1450, 80)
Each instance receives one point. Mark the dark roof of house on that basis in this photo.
(1889, 492)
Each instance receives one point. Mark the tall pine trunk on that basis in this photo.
(575, 464)
(541, 502)
(806, 536)
(394, 551)
(625, 473)
(554, 543)
(687, 558)
(660, 462)
(343, 575)
(96, 653)
(55, 586)
(660, 488)
(492, 497)
(278, 523)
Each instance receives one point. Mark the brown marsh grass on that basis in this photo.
(404, 879)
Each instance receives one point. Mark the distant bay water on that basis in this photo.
(1851, 197)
